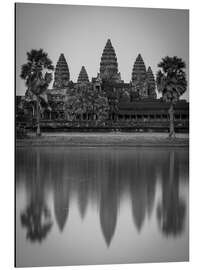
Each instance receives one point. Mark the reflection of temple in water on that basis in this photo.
(101, 178)
(108, 209)
(142, 188)
(61, 203)
(82, 197)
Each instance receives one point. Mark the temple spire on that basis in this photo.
(139, 69)
(139, 74)
(109, 64)
(61, 74)
(151, 83)
(83, 76)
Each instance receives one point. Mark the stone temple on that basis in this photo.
(141, 86)
(138, 106)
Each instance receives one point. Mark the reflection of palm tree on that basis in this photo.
(37, 220)
(171, 213)
(36, 217)
(172, 218)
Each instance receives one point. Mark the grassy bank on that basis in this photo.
(104, 139)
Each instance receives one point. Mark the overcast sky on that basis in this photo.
(81, 32)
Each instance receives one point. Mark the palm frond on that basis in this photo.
(171, 79)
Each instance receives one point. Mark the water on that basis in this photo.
(101, 205)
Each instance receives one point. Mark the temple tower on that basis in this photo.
(151, 84)
(83, 77)
(61, 74)
(109, 64)
(139, 74)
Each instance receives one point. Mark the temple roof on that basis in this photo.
(83, 76)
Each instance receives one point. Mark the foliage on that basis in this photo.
(171, 80)
(37, 62)
(37, 76)
(84, 99)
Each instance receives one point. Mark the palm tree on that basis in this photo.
(171, 82)
(37, 78)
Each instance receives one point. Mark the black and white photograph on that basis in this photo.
(101, 135)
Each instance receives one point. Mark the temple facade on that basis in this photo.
(131, 104)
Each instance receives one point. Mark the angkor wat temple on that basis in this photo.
(137, 106)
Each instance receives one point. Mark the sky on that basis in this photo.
(81, 32)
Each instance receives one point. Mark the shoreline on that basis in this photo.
(105, 140)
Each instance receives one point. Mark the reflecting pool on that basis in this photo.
(97, 205)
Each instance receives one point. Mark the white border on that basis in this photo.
(196, 122)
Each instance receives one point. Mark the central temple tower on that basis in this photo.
(109, 64)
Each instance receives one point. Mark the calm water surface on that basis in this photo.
(101, 205)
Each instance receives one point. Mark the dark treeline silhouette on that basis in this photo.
(101, 177)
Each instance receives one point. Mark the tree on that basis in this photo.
(37, 76)
(171, 82)
(75, 103)
(83, 99)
